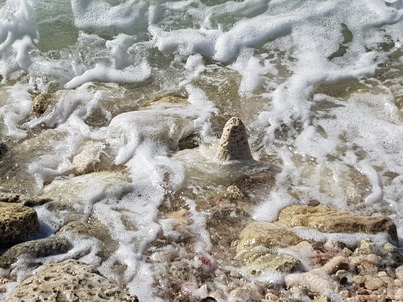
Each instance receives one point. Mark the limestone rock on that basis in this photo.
(17, 222)
(266, 234)
(328, 220)
(258, 244)
(41, 102)
(69, 281)
(22, 199)
(234, 142)
(92, 156)
(257, 263)
(35, 249)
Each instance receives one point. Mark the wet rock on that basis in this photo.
(258, 244)
(234, 142)
(35, 249)
(257, 263)
(22, 199)
(17, 222)
(75, 191)
(316, 283)
(266, 234)
(328, 220)
(3, 149)
(95, 229)
(92, 156)
(69, 281)
(41, 103)
(399, 272)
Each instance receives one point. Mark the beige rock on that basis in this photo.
(41, 102)
(234, 142)
(399, 272)
(316, 283)
(399, 294)
(69, 281)
(180, 218)
(335, 264)
(373, 283)
(257, 263)
(328, 220)
(17, 222)
(91, 156)
(266, 234)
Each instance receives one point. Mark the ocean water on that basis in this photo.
(319, 85)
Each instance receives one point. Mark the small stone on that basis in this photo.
(41, 102)
(69, 281)
(17, 222)
(399, 272)
(180, 218)
(373, 283)
(91, 157)
(35, 249)
(399, 294)
(312, 282)
(234, 142)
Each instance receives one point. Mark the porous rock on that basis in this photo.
(266, 234)
(69, 281)
(91, 157)
(41, 102)
(260, 262)
(35, 249)
(328, 220)
(258, 244)
(17, 222)
(234, 142)
(28, 201)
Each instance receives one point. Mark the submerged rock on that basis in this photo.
(22, 199)
(328, 220)
(35, 249)
(234, 142)
(69, 281)
(92, 156)
(17, 222)
(41, 103)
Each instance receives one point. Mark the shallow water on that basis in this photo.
(318, 84)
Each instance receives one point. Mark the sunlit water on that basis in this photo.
(318, 84)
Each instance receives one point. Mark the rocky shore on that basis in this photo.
(309, 253)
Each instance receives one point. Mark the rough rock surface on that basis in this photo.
(68, 281)
(328, 220)
(41, 102)
(17, 222)
(258, 245)
(35, 249)
(234, 142)
(266, 234)
(28, 201)
(92, 156)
